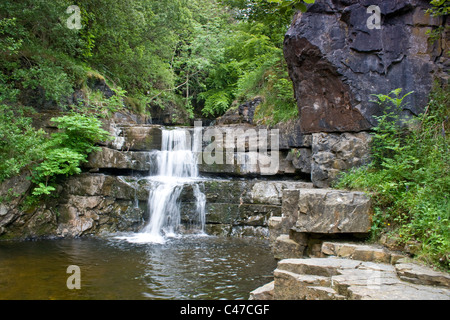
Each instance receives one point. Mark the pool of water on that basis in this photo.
(189, 267)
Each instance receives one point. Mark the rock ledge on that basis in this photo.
(339, 276)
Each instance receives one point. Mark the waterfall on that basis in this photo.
(174, 167)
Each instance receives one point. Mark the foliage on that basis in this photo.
(157, 53)
(22, 146)
(95, 101)
(67, 149)
(252, 65)
(388, 139)
(20, 143)
(284, 5)
(438, 8)
(409, 177)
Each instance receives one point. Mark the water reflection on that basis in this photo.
(182, 268)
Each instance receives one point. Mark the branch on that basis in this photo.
(171, 89)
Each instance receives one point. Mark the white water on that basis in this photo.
(175, 166)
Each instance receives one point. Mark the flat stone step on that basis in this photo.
(360, 252)
(326, 267)
(264, 292)
(423, 275)
(292, 286)
(398, 291)
(340, 278)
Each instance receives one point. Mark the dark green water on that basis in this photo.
(190, 267)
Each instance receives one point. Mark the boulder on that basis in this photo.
(337, 62)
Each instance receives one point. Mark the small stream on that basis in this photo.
(187, 267)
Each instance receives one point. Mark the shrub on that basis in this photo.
(67, 149)
(409, 176)
(20, 143)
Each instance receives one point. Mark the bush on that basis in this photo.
(20, 143)
(67, 149)
(409, 176)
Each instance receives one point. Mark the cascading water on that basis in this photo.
(174, 167)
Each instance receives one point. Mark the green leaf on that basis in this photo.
(301, 6)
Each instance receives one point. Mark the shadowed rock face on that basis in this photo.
(336, 62)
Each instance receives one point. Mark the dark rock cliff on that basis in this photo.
(337, 59)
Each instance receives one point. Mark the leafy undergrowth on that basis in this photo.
(408, 177)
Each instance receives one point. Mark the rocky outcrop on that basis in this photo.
(319, 156)
(242, 114)
(336, 62)
(17, 221)
(333, 153)
(327, 212)
(238, 207)
(96, 203)
(379, 275)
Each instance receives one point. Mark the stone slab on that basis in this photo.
(286, 248)
(265, 292)
(333, 211)
(418, 274)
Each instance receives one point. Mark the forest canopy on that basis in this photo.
(199, 57)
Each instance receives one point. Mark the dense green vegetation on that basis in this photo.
(198, 57)
(66, 149)
(195, 56)
(409, 177)
(46, 157)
